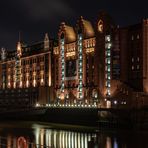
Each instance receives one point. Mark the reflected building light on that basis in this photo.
(72, 140)
(37, 133)
(60, 139)
(63, 139)
(68, 136)
(14, 142)
(85, 141)
(89, 137)
(115, 143)
(82, 140)
(9, 140)
(49, 138)
(42, 137)
(79, 140)
(55, 138)
(75, 140)
(108, 142)
(46, 139)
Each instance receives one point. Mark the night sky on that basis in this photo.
(33, 18)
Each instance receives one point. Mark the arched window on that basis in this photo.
(100, 26)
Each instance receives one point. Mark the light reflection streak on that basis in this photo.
(108, 142)
(42, 137)
(66, 140)
(72, 140)
(86, 141)
(54, 139)
(82, 140)
(62, 139)
(49, 138)
(79, 142)
(75, 140)
(115, 143)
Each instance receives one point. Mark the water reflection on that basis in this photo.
(62, 139)
(38, 136)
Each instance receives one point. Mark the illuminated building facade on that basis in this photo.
(101, 62)
(83, 61)
(26, 73)
(90, 63)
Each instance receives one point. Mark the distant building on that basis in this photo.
(25, 74)
(134, 64)
(91, 63)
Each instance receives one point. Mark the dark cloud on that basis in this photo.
(36, 17)
(46, 9)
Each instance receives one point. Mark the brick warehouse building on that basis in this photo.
(89, 63)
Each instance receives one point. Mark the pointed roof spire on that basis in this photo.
(46, 42)
(19, 36)
(46, 37)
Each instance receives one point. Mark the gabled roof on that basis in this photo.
(70, 35)
(87, 28)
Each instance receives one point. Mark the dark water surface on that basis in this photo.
(39, 135)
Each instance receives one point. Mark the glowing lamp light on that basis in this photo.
(115, 102)
(27, 83)
(62, 96)
(37, 105)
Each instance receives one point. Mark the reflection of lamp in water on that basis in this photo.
(108, 142)
(21, 142)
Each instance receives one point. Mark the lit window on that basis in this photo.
(108, 85)
(108, 38)
(108, 69)
(62, 84)
(80, 63)
(138, 59)
(108, 53)
(108, 77)
(132, 37)
(132, 67)
(138, 66)
(100, 26)
(132, 59)
(108, 61)
(80, 89)
(108, 45)
(138, 36)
